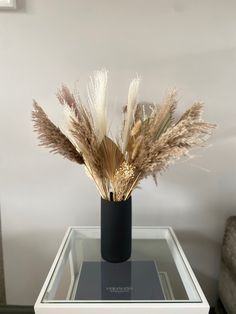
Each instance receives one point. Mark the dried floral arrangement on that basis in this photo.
(151, 137)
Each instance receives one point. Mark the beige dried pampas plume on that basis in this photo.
(51, 136)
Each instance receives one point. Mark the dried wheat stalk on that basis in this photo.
(151, 137)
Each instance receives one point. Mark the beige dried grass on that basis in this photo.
(151, 137)
(51, 136)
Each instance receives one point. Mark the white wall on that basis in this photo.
(187, 44)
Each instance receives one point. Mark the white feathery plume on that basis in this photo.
(131, 107)
(97, 94)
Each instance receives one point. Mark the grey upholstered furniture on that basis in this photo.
(5, 309)
(227, 282)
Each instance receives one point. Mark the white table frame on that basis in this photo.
(176, 307)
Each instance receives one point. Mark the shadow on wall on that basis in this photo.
(21, 6)
(16, 252)
(201, 251)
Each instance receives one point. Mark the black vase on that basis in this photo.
(116, 230)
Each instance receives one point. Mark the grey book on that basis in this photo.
(131, 280)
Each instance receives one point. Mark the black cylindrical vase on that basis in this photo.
(116, 230)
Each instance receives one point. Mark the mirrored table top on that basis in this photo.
(157, 272)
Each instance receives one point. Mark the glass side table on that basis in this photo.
(156, 279)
